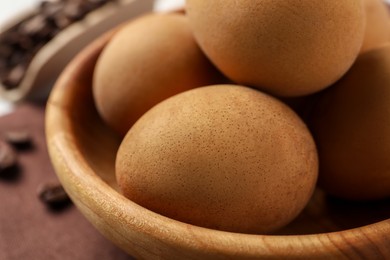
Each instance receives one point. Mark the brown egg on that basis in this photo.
(224, 157)
(376, 33)
(351, 125)
(148, 60)
(287, 48)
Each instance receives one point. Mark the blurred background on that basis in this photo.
(11, 10)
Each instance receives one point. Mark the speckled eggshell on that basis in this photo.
(286, 48)
(351, 126)
(148, 60)
(376, 33)
(224, 157)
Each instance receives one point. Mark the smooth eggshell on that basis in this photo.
(286, 48)
(223, 157)
(351, 125)
(148, 60)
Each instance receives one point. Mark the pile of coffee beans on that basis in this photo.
(19, 44)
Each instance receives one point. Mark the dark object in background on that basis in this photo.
(20, 43)
(53, 195)
(7, 157)
(20, 139)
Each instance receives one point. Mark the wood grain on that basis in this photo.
(83, 151)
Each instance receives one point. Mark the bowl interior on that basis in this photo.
(72, 113)
(98, 144)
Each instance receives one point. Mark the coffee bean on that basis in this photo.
(18, 138)
(45, 34)
(88, 6)
(10, 37)
(61, 21)
(5, 50)
(7, 157)
(3, 65)
(14, 76)
(16, 58)
(52, 193)
(74, 11)
(33, 26)
(25, 43)
(50, 8)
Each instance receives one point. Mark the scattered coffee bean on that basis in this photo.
(53, 194)
(18, 138)
(7, 157)
(14, 76)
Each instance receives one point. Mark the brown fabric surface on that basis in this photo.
(28, 228)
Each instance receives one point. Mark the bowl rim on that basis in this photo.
(88, 191)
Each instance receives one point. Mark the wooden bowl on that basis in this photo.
(83, 152)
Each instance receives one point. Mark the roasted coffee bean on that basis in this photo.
(7, 157)
(88, 6)
(10, 38)
(54, 14)
(36, 26)
(33, 25)
(45, 34)
(3, 70)
(3, 66)
(5, 50)
(25, 43)
(61, 21)
(18, 138)
(14, 77)
(52, 194)
(74, 11)
(16, 58)
(50, 8)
